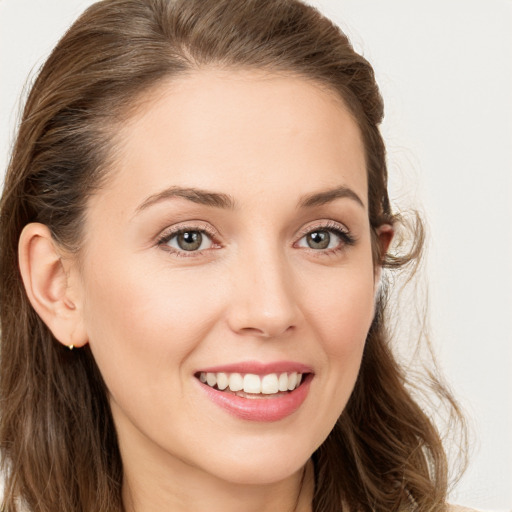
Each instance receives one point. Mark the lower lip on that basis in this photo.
(260, 409)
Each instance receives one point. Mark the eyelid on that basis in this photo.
(189, 225)
(206, 228)
(323, 224)
(200, 226)
(339, 229)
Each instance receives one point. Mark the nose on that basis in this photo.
(263, 301)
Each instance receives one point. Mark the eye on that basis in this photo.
(186, 240)
(325, 238)
(320, 240)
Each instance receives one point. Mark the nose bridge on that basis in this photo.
(264, 302)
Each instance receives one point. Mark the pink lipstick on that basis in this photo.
(257, 391)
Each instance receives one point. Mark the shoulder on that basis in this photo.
(459, 508)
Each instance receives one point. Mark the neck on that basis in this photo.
(150, 490)
(155, 479)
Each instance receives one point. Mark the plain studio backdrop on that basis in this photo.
(445, 71)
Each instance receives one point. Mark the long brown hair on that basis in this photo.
(57, 437)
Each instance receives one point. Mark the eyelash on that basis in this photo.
(332, 227)
(347, 239)
(168, 235)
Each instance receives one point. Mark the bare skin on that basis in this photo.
(283, 160)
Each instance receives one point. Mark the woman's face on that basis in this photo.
(231, 244)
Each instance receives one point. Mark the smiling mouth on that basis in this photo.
(250, 385)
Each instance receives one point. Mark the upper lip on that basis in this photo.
(259, 368)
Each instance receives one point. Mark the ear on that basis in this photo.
(52, 285)
(385, 234)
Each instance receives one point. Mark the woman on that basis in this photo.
(197, 206)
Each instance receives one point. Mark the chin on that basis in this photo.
(260, 466)
(264, 474)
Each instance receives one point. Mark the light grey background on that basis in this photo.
(445, 71)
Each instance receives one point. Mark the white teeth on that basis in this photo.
(292, 381)
(283, 382)
(222, 381)
(211, 379)
(269, 384)
(236, 382)
(254, 384)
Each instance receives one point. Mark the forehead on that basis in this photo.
(244, 133)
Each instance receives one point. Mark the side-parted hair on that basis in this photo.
(57, 437)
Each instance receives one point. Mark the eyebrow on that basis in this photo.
(195, 195)
(225, 201)
(327, 196)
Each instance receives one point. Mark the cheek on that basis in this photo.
(341, 316)
(344, 310)
(142, 323)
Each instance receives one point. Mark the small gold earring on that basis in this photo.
(71, 347)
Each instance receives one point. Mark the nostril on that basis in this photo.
(268, 331)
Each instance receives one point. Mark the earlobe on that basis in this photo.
(52, 293)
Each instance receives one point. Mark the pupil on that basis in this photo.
(190, 240)
(319, 240)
